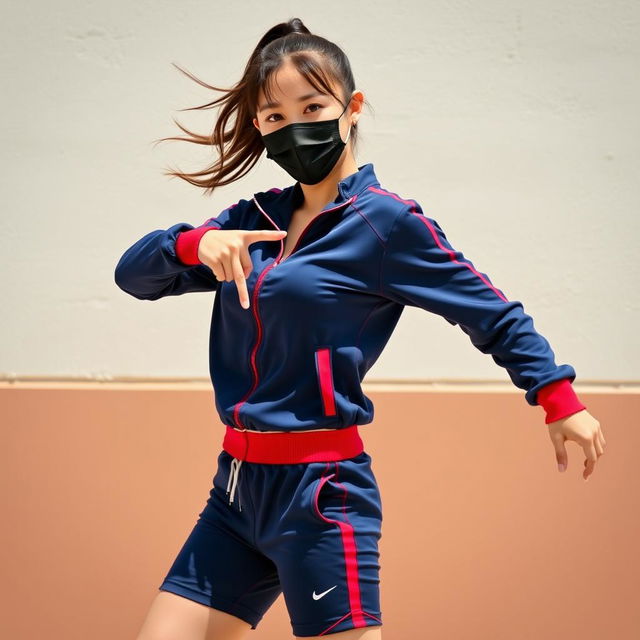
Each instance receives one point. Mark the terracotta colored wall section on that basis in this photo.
(482, 537)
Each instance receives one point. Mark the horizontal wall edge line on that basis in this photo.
(440, 385)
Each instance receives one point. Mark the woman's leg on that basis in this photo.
(219, 585)
(368, 633)
(172, 617)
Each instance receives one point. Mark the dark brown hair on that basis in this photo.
(240, 145)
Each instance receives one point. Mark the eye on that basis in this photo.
(313, 104)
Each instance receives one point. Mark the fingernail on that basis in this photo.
(586, 479)
(561, 467)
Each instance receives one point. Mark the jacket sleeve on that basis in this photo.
(420, 268)
(165, 262)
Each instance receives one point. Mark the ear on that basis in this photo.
(357, 104)
(255, 124)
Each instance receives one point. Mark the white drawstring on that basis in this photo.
(233, 478)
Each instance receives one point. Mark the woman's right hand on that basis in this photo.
(226, 253)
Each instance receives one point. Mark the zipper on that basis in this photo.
(279, 259)
(254, 308)
(256, 291)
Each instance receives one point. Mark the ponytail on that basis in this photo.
(240, 144)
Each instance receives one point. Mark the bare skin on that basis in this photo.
(364, 633)
(583, 429)
(299, 221)
(172, 617)
(226, 253)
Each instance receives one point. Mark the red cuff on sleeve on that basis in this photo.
(187, 243)
(559, 400)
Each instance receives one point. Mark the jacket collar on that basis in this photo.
(286, 201)
(350, 186)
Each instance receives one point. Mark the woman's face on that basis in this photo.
(295, 100)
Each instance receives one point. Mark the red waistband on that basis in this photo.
(290, 447)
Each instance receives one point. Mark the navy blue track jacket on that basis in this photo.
(321, 317)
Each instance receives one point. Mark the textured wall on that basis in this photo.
(511, 123)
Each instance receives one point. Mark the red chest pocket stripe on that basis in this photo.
(325, 380)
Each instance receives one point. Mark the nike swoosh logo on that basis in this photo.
(324, 593)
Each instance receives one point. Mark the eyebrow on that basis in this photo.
(271, 105)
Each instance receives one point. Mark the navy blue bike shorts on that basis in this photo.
(309, 530)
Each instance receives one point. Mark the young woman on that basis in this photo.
(310, 282)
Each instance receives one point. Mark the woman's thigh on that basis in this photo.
(369, 633)
(217, 571)
(172, 617)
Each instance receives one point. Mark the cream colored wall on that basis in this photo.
(513, 124)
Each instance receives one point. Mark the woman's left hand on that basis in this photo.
(584, 429)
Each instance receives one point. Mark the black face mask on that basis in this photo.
(307, 151)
